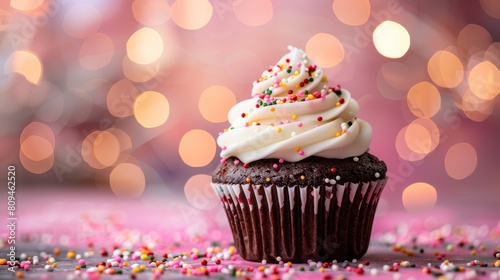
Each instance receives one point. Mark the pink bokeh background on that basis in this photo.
(72, 68)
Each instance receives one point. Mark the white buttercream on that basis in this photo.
(317, 126)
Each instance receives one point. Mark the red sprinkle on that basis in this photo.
(204, 262)
(320, 118)
(341, 101)
(333, 170)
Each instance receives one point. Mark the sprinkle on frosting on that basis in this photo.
(294, 98)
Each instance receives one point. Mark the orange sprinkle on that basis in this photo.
(297, 149)
(248, 180)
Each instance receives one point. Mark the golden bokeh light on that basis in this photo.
(87, 151)
(82, 20)
(36, 167)
(475, 108)
(419, 197)
(25, 5)
(352, 12)
(127, 180)
(472, 39)
(422, 136)
(424, 100)
(484, 80)
(36, 148)
(25, 63)
(253, 12)
(191, 14)
(218, 97)
(140, 73)
(96, 52)
(106, 148)
(124, 141)
(445, 69)
(37, 144)
(120, 98)
(391, 39)
(197, 148)
(145, 46)
(460, 161)
(199, 192)
(151, 12)
(402, 148)
(47, 102)
(38, 129)
(151, 109)
(325, 49)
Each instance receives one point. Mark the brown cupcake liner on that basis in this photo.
(296, 224)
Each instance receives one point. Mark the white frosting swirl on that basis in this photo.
(295, 114)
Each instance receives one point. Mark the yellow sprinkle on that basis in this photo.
(248, 180)
(144, 257)
(323, 79)
(297, 149)
(302, 177)
(321, 269)
(294, 117)
(337, 134)
(54, 265)
(225, 130)
(70, 254)
(261, 268)
(278, 129)
(337, 104)
(142, 267)
(297, 86)
(311, 97)
(268, 179)
(238, 273)
(101, 268)
(136, 269)
(343, 131)
(473, 252)
(273, 109)
(296, 73)
(125, 263)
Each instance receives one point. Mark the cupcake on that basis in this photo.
(296, 179)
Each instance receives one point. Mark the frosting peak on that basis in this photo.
(294, 114)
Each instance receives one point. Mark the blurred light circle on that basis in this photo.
(422, 136)
(391, 39)
(472, 39)
(191, 14)
(151, 109)
(445, 69)
(352, 12)
(484, 80)
(460, 161)
(34, 166)
(87, 151)
(124, 142)
(26, 63)
(325, 49)
(96, 52)
(403, 150)
(197, 148)
(145, 46)
(215, 102)
(36, 148)
(475, 108)
(492, 54)
(82, 20)
(140, 73)
(47, 102)
(419, 197)
(106, 148)
(151, 12)
(25, 5)
(253, 12)
(424, 100)
(38, 129)
(120, 98)
(491, 8)
(127, 180)
(199, 192)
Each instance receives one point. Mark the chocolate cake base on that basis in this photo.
(299, 213)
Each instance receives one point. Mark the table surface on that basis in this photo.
(182, 237)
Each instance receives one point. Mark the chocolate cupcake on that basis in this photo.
(296, 179)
